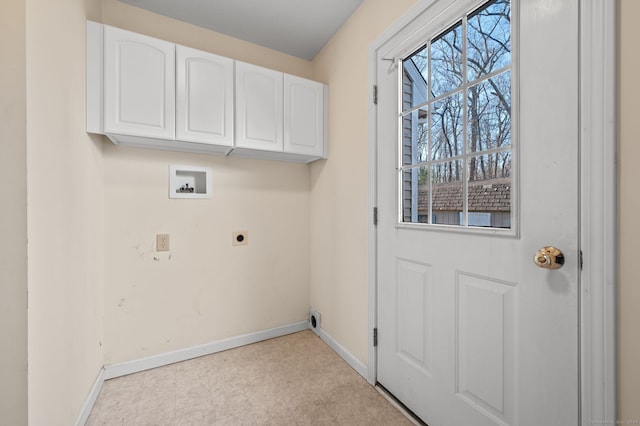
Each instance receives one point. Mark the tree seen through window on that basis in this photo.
(456, 120)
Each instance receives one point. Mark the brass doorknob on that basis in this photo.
(549, 258)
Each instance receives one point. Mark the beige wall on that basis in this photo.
(339, 188)
(629, 206)
(13, 226)
(138, 20)
(64, 217)
(204, 289)
(339, 185)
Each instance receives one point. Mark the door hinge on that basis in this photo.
(375, 216)
(375, 94)
(581, 260)
(375, 337)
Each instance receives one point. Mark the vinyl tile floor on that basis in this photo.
(291, 380)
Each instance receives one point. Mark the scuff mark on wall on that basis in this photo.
(197, 301)
(148, 253)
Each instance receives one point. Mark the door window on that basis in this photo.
(456, 142)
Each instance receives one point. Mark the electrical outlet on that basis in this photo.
(162, 242)
(240, 238)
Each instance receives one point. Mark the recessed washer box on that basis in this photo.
(189, 182)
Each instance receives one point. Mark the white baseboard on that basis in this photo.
(122, 369)
(91, 399)
(347, 356)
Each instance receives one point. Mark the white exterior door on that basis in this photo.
(470, 330)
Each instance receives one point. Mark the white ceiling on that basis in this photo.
(296, 27)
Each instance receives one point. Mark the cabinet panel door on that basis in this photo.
(258, 107)
(204, 95)
(304, 128)
(139, 84)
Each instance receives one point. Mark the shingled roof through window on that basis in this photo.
(487, 195)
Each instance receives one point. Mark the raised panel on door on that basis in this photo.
(485, 346)
(258, 108)
(304, 116)
(204, 97)
(139, 84)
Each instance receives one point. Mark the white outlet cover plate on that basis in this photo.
(163, 242)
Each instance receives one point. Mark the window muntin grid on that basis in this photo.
(456, 120)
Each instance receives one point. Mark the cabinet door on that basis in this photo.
(258, 107)
(204, 97)
(139, 85)
(304, 116)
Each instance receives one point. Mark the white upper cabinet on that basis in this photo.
(258, 108)
(279, 116)
(139, 85)
(304, 116)
(146, 92)
(204, 97)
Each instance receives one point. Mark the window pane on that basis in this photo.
(490, 166)
(446, 127)
(489, 109)
(415, 195)
(490, 190)
(415, 137)
(446, 61)
(414, 79)
(447, 192)
(456, 124)
(489, 39)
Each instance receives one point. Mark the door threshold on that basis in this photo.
(410, 415)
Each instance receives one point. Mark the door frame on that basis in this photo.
(597, 151)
